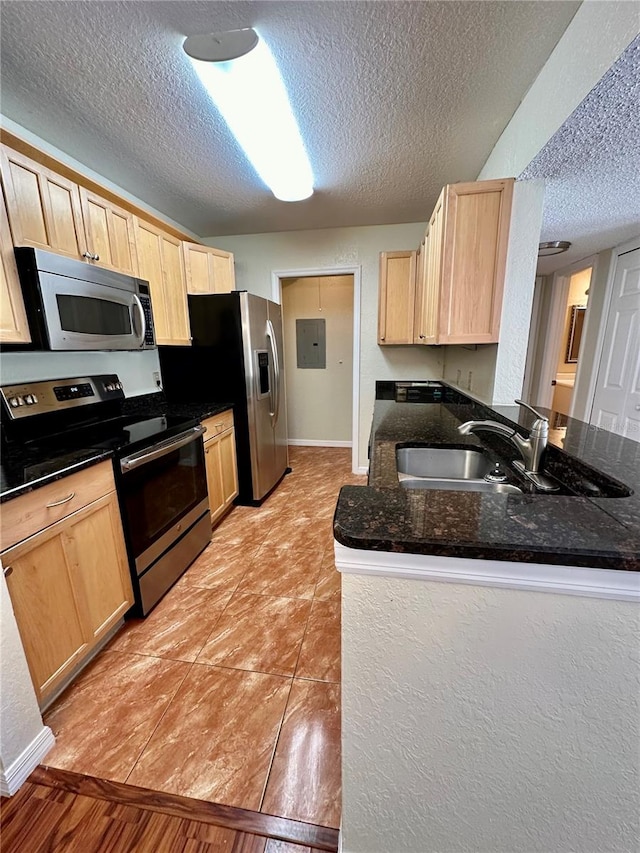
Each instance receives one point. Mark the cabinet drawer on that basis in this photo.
(26, 515)
(218, 423)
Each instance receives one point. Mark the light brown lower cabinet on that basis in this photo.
(220, 461)
(69, 582)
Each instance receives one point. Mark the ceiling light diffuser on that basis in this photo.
(553, 247)
(249, 93)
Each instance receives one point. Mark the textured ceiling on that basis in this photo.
(591, 168)
(394, 99)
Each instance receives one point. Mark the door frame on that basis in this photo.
(630, 246)
(356, 272)
(557, 315)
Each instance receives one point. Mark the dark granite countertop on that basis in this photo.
(570, 528)
(24, 468)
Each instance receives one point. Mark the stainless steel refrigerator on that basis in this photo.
(236, 358)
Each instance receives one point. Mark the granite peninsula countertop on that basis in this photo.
(563, 529)
(25, 467)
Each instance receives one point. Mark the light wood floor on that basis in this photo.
(229, 691)
(56, 811)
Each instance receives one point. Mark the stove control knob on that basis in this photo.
(109, 386)
(13, 402)
(28, 398)
(34, 399)
(20, 400)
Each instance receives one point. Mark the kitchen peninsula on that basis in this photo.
(491, 680)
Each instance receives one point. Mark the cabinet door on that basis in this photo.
(160, 263)
(215, 486)
(175, 290)
(95, 549)
(43, 207)
(228, 466)
(14, 327)
(69, 585)
(208, 270)
(433, 273)
(473, 262)
(47, 609)
(396, 304)
(110, 233)
(222, 271)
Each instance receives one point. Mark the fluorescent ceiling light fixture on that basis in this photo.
(249, 92)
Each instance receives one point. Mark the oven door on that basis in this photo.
(163, 491)
(84, 315)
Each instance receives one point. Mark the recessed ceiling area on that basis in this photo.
(591, 168)
(394, 99)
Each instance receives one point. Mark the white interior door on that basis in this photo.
(616, 405)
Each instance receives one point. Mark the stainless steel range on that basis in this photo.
(158, 461)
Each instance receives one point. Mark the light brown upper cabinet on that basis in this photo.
(396, 305)
(160, 262)
(14, 328)
(468, 238)
(208, 270)
(458, 280)
(110, 234)
(43, 207)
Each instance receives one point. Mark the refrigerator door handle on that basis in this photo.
(275, 396)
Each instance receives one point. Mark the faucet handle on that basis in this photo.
(532, 410)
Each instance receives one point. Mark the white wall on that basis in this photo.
(319, 401)
(520, 278)
(484, 719)
(257, 255)
(20, 720)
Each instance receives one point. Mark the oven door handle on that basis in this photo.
(130, 463)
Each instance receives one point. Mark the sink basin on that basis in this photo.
(459, 485)
(445, 463)
(448, 468)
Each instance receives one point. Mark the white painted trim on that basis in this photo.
(356, 272)
(604, 317)
(562, 580)
(362, 469)
(16, 774)
(312, 442)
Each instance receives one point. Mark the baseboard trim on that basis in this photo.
(312, 442)
(363, 469)
(12, 778)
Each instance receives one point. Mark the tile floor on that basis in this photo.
(229, 691)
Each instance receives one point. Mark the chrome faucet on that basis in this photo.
(531, 449)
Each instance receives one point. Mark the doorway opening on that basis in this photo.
(321, 319)
(558, 318)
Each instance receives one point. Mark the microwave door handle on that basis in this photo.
(143, 324)
(276, 373)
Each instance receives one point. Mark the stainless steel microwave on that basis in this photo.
(72, 305)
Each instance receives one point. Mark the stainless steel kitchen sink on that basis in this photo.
(450, 463)
(459, 485)
(448, 468)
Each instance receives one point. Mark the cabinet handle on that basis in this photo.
(87, 255)
(422, 337)
(8, 571)
(382, 339)
(63, 501)
(96, 257)
(206, 450)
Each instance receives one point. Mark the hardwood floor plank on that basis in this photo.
(296, 832)
(246, 843)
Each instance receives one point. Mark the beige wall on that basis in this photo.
(257, 255)
(319, 402)
(578, 285)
